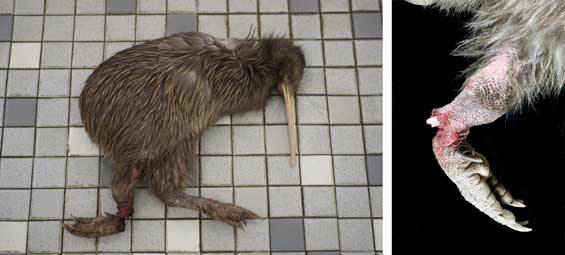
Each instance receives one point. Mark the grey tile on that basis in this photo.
(325, 253)
(248, 140)
(306, 26)
(15, 204)
(375, 169)
(303, 6)
(369, 52)
(280, 171)
(87, 54)
(314, 139)
(177, 212)
(341, 81)
(370, 80)
(112, 48)
(373, 139)
(337, 25)
(350, 170)
(249, 170)
(74, 243)
(312, 109)
(216, 141)
(285, 201)
(89, 28)
(216, 170)
(365, 5)
(312, 52)
(287, 234)
(58, 28)
(224, 195)
(321, 234)
(214, 25)
(356, 235)
(275, 112)
(6, 27)
(276, 24)
(15, 172)
(7, 6)
(147, 205)
(4, 53)
(277, 139)
(51, 142)
(177, 23)
(120, 28)
(74, 115)
(120, 6)
(82, 172)
(255, 237)
(371, 107)
(150, 27)
(248, 117)
(334, 5)
(319, 202)
(313, 81)
(49, 173)
(54, 83)
(353, 202)
(80, 203)
(52, 112)
(240, 26)
(60, 7)
(339, 53)
(3, 83)
(22, 83)
(47, 203)
(242, 5)
(344, 110)
(27, 28)
(119, 242)
(148, 235)
(368, 25)
(106, 172)
(44, 236)
(181, 6)
(78, 79)
(90, 6)
(106, 202)
(18, 142)
(56, 54)
(252, 198)
(20, 112)
(212, 6)
(217, 236)
(347, 140)
(151, 6)
(376, 194)
(273, 5)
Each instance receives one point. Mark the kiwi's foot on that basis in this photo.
(95, 227)
(228, 213)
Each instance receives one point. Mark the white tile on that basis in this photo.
(13, 236)
(212, 6)
(80, 143)
(25, 55)
(183, 235)
(378, 233)
(316, 170)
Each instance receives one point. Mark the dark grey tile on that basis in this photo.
(106, 172)
(120, 6)
(287, 234)
(181, 23)
(20, 112)
(304, 5)
(367, 25)
(6, 27)
(375, 169)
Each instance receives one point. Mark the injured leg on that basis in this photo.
(485, 97)
(228, 213)
(122, 192)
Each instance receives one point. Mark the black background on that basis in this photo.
(526, 151)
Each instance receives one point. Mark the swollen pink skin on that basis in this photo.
(485, 98)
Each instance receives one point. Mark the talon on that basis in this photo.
(518, 203)
(95, 227)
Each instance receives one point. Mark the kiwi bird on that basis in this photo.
(146, 107)
(519, 52)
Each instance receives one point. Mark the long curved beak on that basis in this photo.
(288, 95)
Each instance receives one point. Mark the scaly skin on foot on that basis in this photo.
(485, 98)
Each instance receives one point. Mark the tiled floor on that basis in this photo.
(49, 171)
